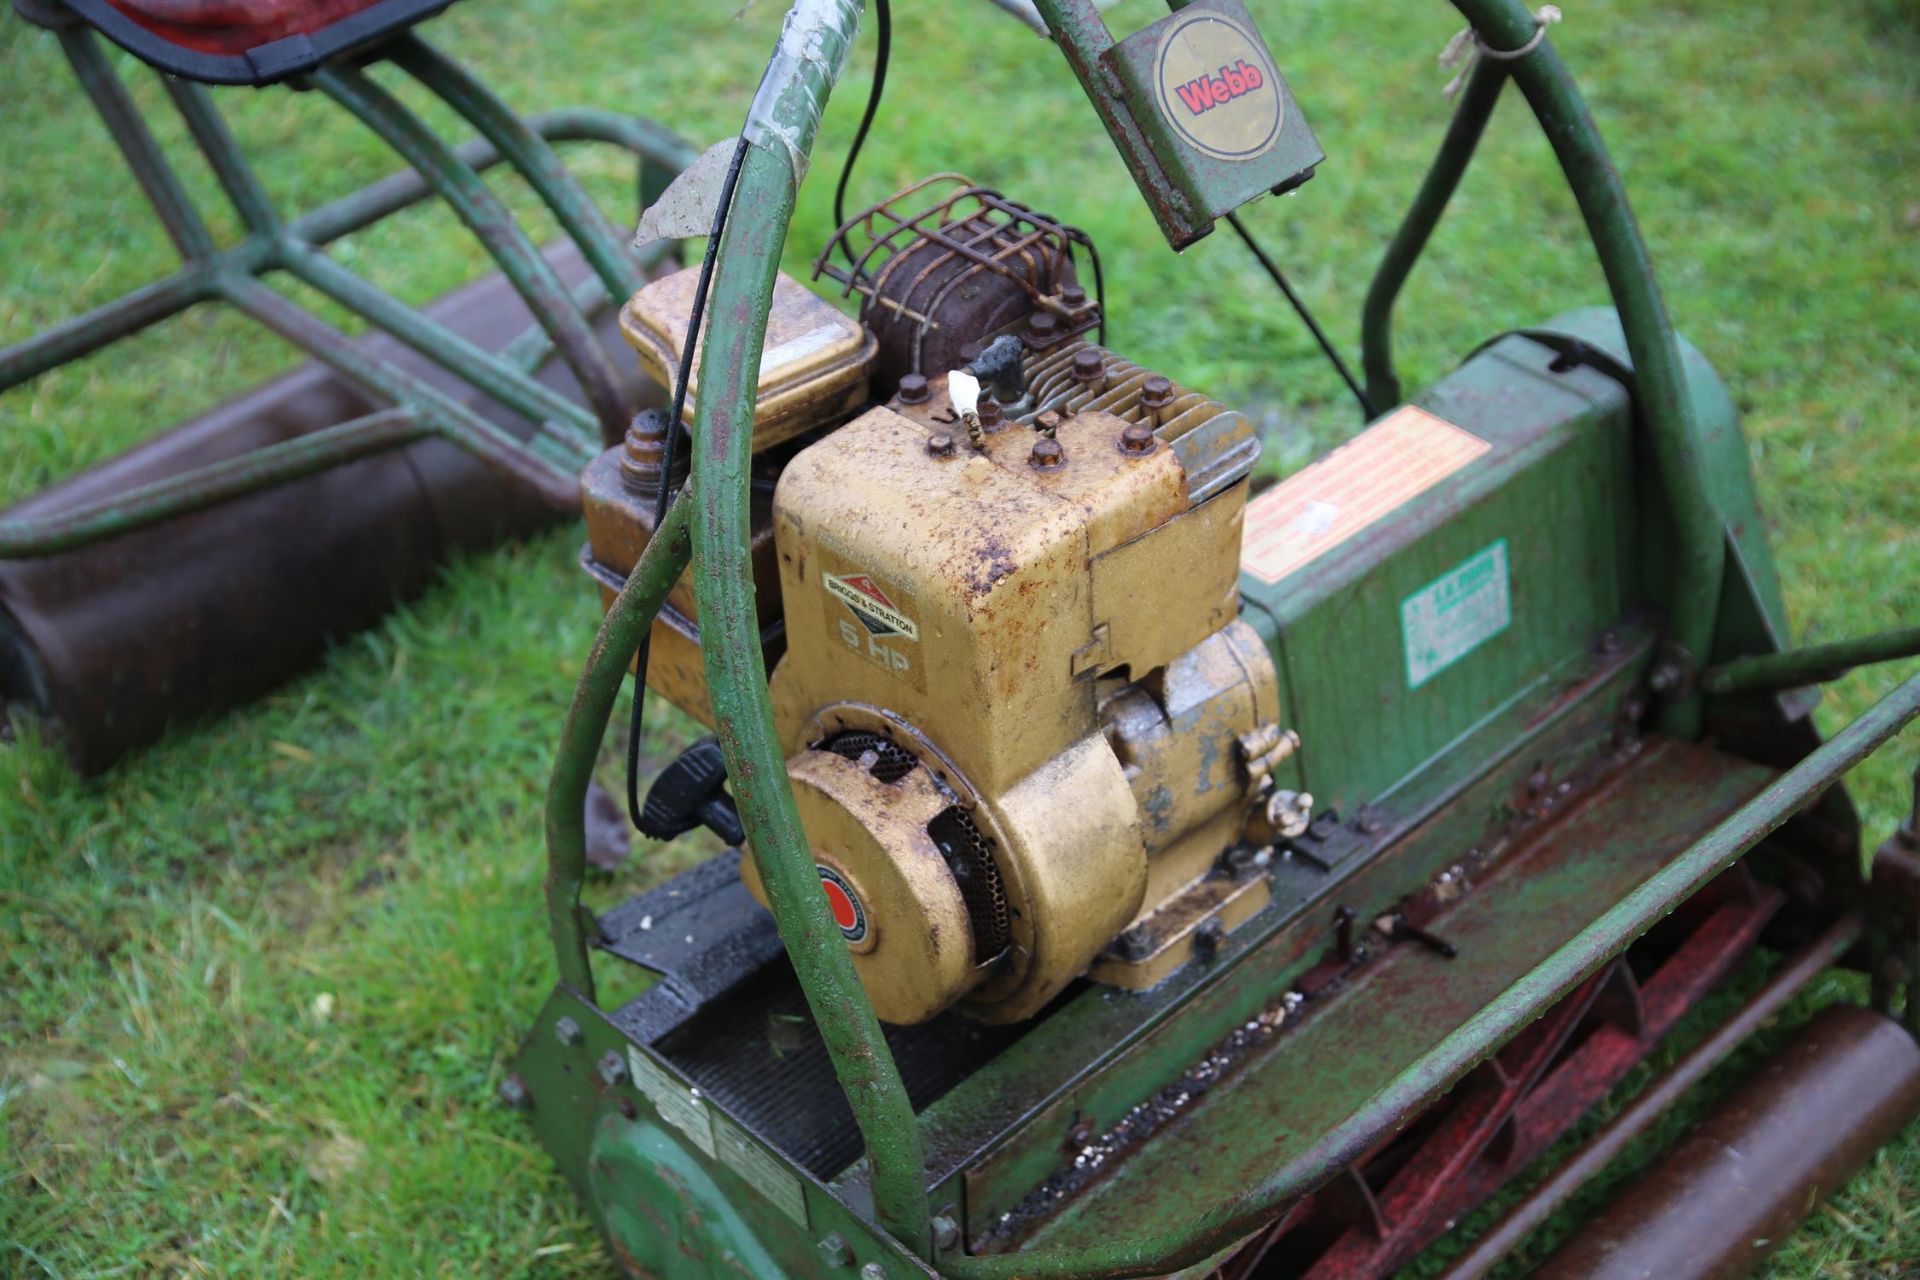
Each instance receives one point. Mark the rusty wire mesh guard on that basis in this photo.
(910, 265)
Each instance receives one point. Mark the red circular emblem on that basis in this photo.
(844, 903)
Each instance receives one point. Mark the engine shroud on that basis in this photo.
(993, 672)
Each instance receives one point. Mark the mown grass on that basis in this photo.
(260, 981)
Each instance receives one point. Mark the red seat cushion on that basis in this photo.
(244, 41)
(235, 26)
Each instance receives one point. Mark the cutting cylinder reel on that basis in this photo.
(1029, 737)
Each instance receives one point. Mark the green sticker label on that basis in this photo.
(1455, 614)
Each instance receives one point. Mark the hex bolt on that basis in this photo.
(513, 1094)
(992, 416)
(1207, 939)
(1090, 370)
(1073, 295)
(1042, 324)
(835, 1251)
(1156, 397)
(1136, 439)
(613, 1068)
(1047, 423)
(940, 445)
(946, 1232)
(567, 1031)
(873, 1271)
(1047, 455)
(913, 389)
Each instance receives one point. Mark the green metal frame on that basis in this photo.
(569, 435)
(710, 525)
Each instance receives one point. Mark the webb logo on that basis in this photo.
(1204, 93)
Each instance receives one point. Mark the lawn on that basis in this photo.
(259, 982)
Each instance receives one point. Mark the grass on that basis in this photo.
(259, 981)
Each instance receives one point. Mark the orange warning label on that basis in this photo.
(1383, 468)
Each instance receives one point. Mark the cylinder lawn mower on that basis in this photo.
(1138, 875)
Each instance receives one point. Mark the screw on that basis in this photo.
(946, 1232)
(1156, 397)
(567, 1031)
(1090, 367)
(873, 1271)
(940, 445)
(643, 452)
(913, 389)
(1135, 944)
(1073, 295)
(835, 1250)
(1137, 439)
(1041, 324)
(1207, 939)
(613, 1068)
(513, 1093)
(1047, 455)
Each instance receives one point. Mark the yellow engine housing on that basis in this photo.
(1052, 653)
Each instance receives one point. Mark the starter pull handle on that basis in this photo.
(692, 792)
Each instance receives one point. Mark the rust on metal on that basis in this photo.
(945, 264)
(1734, 1188)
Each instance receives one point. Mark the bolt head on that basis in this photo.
(940, 445)
(1156, 392)
(1042, 324)
(613, 1067)
(1073, 295)
(835, 1251)
(1207, 939)
(513, 1094)
(1047, 455)
(913, 389)
(1088, 365)
(566, 1031)
(1137, 439)
(992, 416)
(946, 1232)
(873, 1271)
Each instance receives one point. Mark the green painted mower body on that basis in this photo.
(1501, 679)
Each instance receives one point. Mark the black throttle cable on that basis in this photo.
(695, 316)
(1300, 306)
